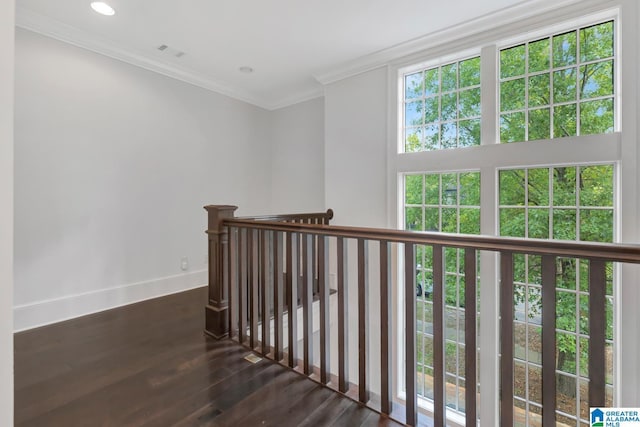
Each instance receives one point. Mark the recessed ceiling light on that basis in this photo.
(245, 69)
(102, 8)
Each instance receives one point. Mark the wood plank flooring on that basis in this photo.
(149, 364)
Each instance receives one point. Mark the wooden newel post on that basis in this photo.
(216, 311)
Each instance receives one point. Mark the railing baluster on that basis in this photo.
(410, 332)
(548, 340)
(254, 283)
(292, 285)
(323, 283)
(233, 280)
(278, 295)
(307, 302)
(439, 402)
(470, 337)
(597, 324)
(267, 279)
(385, 327)
(506, 343)
(314, 265)
(343, 331)
(242, 288)
(363, 320)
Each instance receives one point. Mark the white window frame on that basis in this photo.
(618, 148)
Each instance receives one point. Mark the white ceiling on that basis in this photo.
(286, 42)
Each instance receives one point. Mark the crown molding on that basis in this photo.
(297, 98)
(509, 19)
(50, 27)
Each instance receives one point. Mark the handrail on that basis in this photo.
(259, 266)
(323, 216)
(603, 251)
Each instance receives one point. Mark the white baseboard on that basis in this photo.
(45, 312)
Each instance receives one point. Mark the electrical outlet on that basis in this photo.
(184, 263)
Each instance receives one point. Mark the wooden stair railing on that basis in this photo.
(264, 254)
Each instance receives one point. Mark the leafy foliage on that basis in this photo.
(579, 208)
(558, 86)
(442, 107)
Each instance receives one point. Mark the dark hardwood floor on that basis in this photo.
(149, 364)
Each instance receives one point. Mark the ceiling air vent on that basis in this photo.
(170, 51)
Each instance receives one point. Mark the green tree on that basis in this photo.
(558, 86)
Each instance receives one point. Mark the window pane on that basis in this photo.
(596, 79)
(564, 186)
(564, 85)
(470, 103)
(539, 124)
(413, 189)
(564, 224)
(596, 42)
(413, 85)
(512, 222)
(470, 189)
(596, 186)
(413, 219)
(564, 120)
(512, 184)
(432, 189)
(539, 55)
(470, 221)
(432, 82)
(564, 49)
(469, 133)
(431, 110)
(449, 106)
(596, 117)
(512, 61)
(449, 220)
(432, 137)
(449, 77)
(567, 305)
(538, 224)
(432, 219)
(512, 95)
(539, 90)
(448, 135)
(596, 225)
(512, 127)
(449, 189)
(413, 140)
(413, 113)
(470, 72)
(538, 187)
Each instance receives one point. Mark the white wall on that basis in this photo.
(113, 164)
(355, 188)
(297, 179)
(6, 211)
(356, 149)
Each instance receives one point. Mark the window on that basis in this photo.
(442, 107)
(556, 84)
(568, 203)
(448, 202)
(564, 203)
